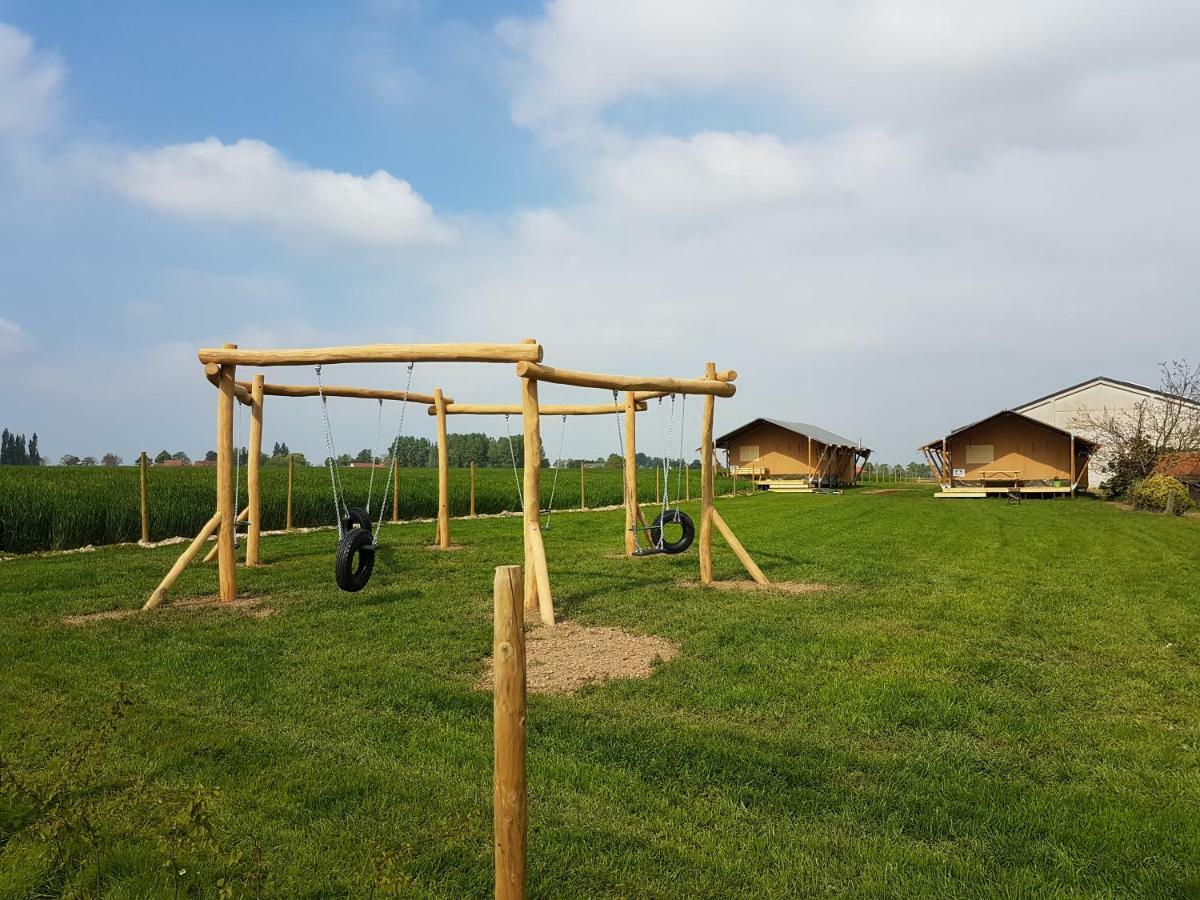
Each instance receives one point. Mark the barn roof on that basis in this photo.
(801, 428)
(1009, 412)
(1102, 379)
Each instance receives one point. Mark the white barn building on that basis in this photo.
(1067, 409)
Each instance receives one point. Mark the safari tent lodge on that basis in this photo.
(792, 456)
(1009, 453)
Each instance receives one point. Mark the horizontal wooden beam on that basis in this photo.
(310, 390)
(562, 409)
(550, 374)
(241, 391)
(313, 356)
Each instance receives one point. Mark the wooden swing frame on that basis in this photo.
(220, 368)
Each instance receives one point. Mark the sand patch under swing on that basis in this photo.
(567, 657)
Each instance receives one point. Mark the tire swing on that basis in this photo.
(354, 561)
(670, 513)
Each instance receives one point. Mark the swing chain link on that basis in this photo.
(331, 460)
(392, 468)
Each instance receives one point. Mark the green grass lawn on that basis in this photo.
(990, 700)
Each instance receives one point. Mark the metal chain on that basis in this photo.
(513, 453)
(682, 469)
(331, 460)
(374, 456)
(562, 433)
(392, 468)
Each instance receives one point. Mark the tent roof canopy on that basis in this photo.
(1085, 442)
(801, 428)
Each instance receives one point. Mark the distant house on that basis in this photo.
(171, 463)
(1071, 408)
(204, 463)
(771, 451)
(1009, 452)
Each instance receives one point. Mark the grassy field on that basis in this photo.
(57, 508)
(989, 701)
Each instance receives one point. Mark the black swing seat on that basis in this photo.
(355, 559)
(672, 517)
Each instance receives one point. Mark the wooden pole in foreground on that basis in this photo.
(291, 479)
(706, 483)
(395, 490)
(582, 492)
(180, 564)
(631, 497)
(226, 551)
(443, 524)
(509, 785)
(472, 489)
(253, 466)
(145, 508)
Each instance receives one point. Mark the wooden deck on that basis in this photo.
(966, 493)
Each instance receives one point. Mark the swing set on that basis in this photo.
(358, 541)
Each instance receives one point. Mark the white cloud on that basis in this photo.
(252, 182)
(1007, 71)
(13, 339)
(29, 85)
(722, 172)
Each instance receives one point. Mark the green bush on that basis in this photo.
(1153, 493)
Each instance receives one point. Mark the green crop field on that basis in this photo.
(58, 508)
(989, 700)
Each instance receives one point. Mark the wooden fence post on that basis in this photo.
(291, 478)
(509, 785)
(472, 489)
(395, 490)
(145, 508)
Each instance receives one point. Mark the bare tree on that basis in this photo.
(1155, 429)
(110, 460)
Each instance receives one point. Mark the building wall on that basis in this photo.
(783, 452)
(1070, 410)
(1034, 453)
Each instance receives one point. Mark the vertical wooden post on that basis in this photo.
(226, 551)
(395, 490)
(509, 785)
(291, 479)
(537, 575)
(472, 489)
(253, 473)
(145, 508)
(582, 492)
(946, 463)
(443, 525)
(706, 482)
(631, 497)
(810, 465)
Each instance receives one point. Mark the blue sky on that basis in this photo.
(891, 218)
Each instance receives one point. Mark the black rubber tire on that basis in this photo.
(357, 543)
(356, 517)
(673, 516)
